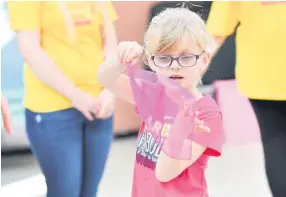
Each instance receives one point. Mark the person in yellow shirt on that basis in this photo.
(68, 113)
(260, 72)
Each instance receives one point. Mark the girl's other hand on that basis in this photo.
(199, 124)
(188, 112)
(129, 52)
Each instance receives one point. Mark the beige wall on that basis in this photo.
(133, 18)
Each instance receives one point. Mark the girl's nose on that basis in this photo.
(175, 65)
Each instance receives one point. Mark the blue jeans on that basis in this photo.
(71, 150)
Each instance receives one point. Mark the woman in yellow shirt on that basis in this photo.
(260, 72)
(68, 114)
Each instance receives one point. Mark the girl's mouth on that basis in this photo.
(176, 77)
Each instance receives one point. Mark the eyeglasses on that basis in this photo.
(164, 61)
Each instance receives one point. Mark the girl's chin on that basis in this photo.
(185, 85)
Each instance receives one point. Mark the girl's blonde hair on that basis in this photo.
(177, 24)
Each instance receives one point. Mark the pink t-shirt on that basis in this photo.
(191, 182)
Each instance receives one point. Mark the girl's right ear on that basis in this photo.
(145, 56)
(145, 59)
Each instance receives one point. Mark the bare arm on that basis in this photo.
(209, 134)
(109, 31)
(109, 38)
(220, 40)
(168, 168)
(42, 65)
(110, 76)
(223, 18)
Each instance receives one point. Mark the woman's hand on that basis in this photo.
(129, 52)
(89, 106)
(6, 116)
(101, 107)
(106, 104)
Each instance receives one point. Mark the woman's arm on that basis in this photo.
(109, 38)
(49, 73)
(223, 19)
(42, 65)
(107, 17)
(220, 40)
(109, 41)
(25, 20)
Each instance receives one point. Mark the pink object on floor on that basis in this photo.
(239, 121)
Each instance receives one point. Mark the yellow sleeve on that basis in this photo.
(223, 18)
(24, 15)
(111, 11)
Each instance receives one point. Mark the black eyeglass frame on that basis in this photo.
(176, 59)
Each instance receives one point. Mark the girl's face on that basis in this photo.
(185, 63)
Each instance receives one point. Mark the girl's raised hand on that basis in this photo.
(129, 52)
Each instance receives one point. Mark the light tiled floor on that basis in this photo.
(238, 173)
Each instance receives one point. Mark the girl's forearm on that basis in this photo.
(110, 75)
(109, 72)
(178, 151)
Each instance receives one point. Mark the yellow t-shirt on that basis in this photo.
(260, 45)
(78, 60)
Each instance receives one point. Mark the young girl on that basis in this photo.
(177, 46)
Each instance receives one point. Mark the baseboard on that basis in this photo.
(125, 134)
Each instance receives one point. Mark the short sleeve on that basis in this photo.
(214, 139)
(223, 18)
(111, 11)
(25, 15)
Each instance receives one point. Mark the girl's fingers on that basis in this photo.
(121, 56)
(200, 125)
(126, 57)
(197, 114)
(134, 61)
(182, 103)
(198, 122)
(119, 53)
(130, 55)
(203, 128)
